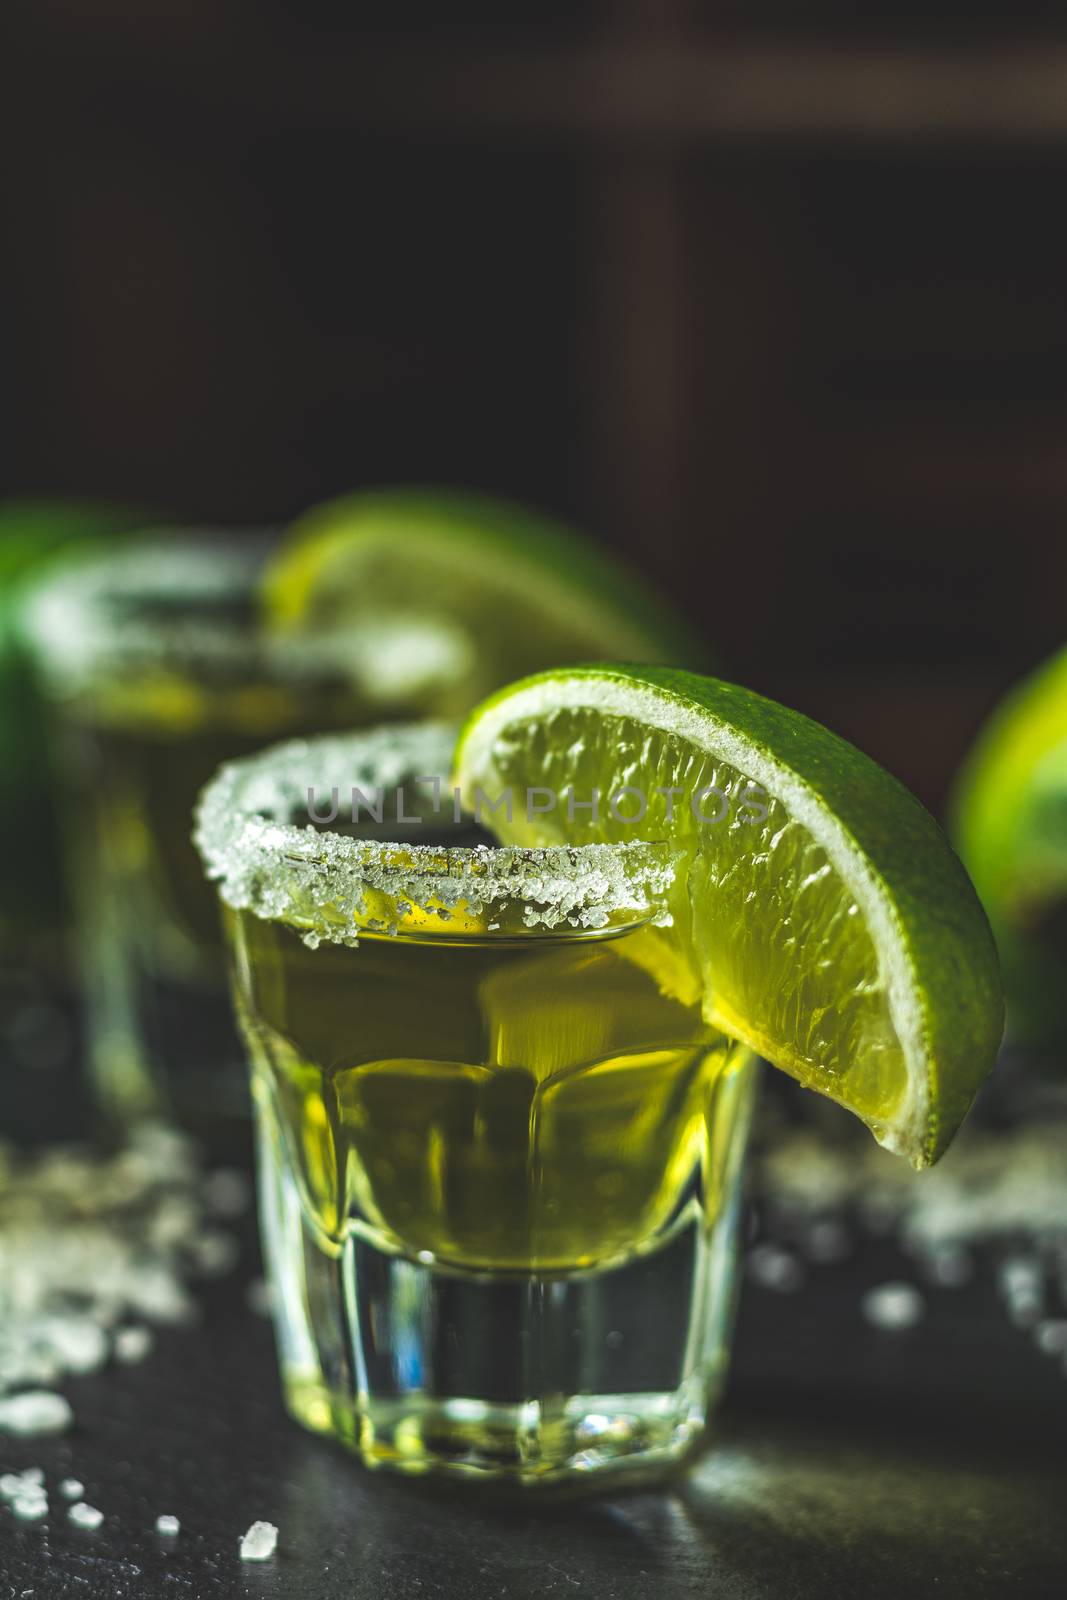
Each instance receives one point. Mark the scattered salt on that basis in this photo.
(31, 1506)
(893, 1306)
(949, 1266)
(158, 1294)
(215, 1253)
(1019, 1275)
(89, 1241)
(1051, 1336)
(1025, 1307)
(71, 1489)
(78, 1344)
(22, 1485)
(827, 1241)
(260, 1542)
(168, 1526)
(227, 1192)
(84, 1516)
(132, 1344)
(774, 1268)
(34, 1413)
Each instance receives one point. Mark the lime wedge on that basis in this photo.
(827, 921)
(1010, 822)
(526, 592)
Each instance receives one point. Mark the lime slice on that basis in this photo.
(828, 923)
(1010, 821)
(526, 592)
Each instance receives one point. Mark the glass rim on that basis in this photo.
(334, 886)
(82, 624)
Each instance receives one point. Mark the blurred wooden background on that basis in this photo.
(770, 297)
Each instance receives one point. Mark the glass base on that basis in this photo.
(520, 1443)
(526, 1379)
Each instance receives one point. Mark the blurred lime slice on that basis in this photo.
(825, 918)
(1010, 821)
(525, 592)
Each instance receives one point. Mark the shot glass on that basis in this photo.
(499, 1150)
(155, 665)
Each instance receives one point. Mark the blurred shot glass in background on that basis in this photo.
(156, 663)
(499, 1151)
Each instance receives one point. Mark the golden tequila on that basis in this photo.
(157, 668)
(499, 1147)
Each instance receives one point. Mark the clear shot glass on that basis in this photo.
(156, 664)
(499, 1149)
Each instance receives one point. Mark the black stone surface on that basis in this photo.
(847, 1462)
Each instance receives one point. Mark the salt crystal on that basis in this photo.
(1051, 1336)
(1019, 1275)
(23, 1364)
(265, 858)
(16, 1484)
(157, 1294)
(827, 1241)
(31, 1506)
(168, 1526)
(260, 1542)
(1025, 1307)
(71, 1489)
(172, 1153)
(227, 1192)
(84, 1516)
(78, 1345)
(774, 1268)
(949, 1266)
(132, 1344)
(259, 1297)
(35, 1412)
(174, 1221)
(893, 1306)
(216, 1253)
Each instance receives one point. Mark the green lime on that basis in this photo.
(824, 915)
(525, 592)
(1010, 822)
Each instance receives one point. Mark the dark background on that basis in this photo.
(768, 296)
(771, 297)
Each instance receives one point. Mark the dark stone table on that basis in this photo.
(847, 1462)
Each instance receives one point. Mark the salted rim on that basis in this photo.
(333, 886)
(81, 636)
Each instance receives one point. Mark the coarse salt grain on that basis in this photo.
(31, 1506)
(84, 1516)
(260, 1542)
(227, 1192)
(774, 1268)
(1051, 1336)
(259, 1297)
(35, 1413)
(893, 1306)
(132, 1344)
(168, 1526)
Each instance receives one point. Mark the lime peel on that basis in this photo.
(934, 951)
